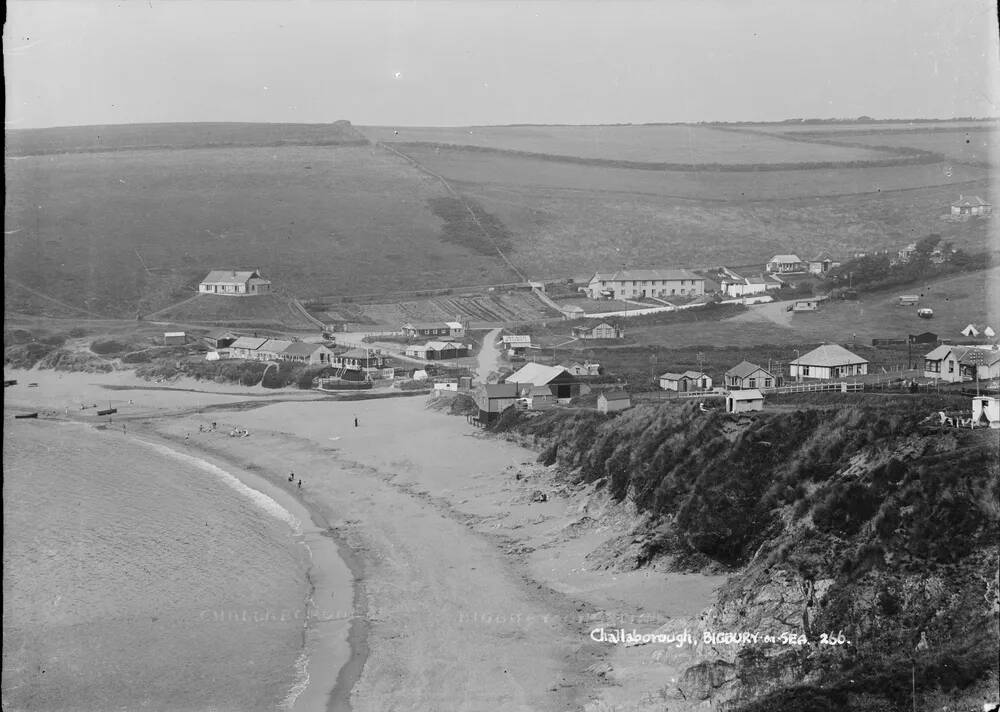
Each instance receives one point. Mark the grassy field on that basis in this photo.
(267, 310)
(639, 143)
(123, 231)
(965, 146)
(74, 139)
(549, 225)
(498, 169)
(97, 228)
(840, 127)
(973, 297)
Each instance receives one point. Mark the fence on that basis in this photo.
(842, 387)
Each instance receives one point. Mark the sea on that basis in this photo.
(138, 577)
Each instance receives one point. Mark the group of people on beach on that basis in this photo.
(291, 478)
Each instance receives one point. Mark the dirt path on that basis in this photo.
(488, 356)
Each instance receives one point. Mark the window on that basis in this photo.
(752, 383)
(767, 383)
(951, 366)
(805, 370)
(673, 291)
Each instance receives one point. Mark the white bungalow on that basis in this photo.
(234, 283)
(685, 382)
(784, 264)
(828, 361)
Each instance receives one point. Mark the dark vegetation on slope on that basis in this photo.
(900, 520)
(874, 272)
(467, 223)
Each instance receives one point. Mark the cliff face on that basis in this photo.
(865, 538)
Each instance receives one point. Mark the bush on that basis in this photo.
(136, 357)
(26, 355)
(108, 347)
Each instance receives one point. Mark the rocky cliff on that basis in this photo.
(861, 540)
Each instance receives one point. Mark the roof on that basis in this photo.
(173, 333)
(247, 342)
(453, 324)
(536, 374)
(430, 325)
(277, 346)
(785, 258)
(535, 391)
(443, 345)
(743, 369)
(829, 355)
(973, 201)
(744, 395)
(615, 395)
(500, 390)
(822, 257)
(229, 276)
(592, 326)
(302, 348)
(644, 274)
(515, 339)
(909, 296)
(687, 374)
(573, 308)
(939, 353)
(359, 353)
(986, 357)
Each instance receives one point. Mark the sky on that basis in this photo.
(423, 63)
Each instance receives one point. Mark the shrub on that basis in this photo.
(109, 346)
(136, 357)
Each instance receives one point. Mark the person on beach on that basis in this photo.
(300, 484)
(123, 429)
(291, 476)
(355, 422)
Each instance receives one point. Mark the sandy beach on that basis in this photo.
(468, 595)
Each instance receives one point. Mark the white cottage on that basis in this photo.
(828, 361)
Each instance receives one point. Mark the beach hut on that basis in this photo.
(611, 401)
(174, 338)
(745, 400)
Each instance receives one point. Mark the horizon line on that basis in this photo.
(788, 122)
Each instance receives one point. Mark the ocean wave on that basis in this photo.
(260, 500)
